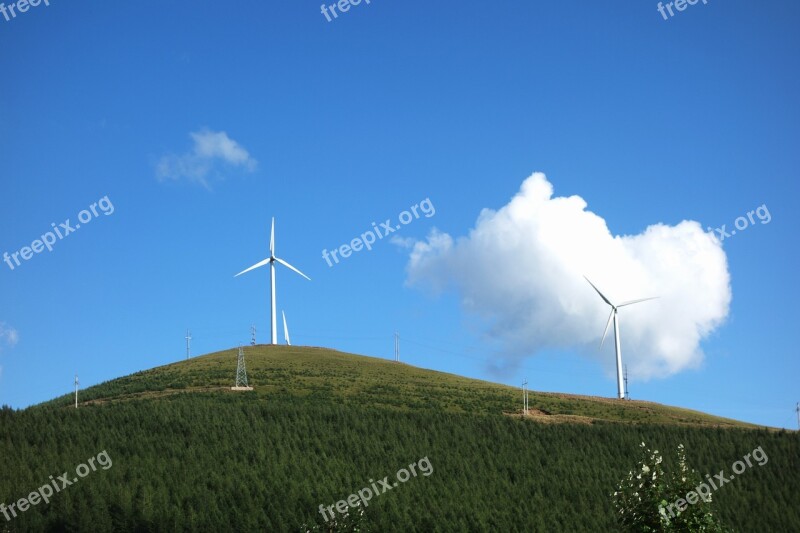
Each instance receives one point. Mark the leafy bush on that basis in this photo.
(645, 500)
(348, 523)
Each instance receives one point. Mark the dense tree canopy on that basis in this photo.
(223, 461)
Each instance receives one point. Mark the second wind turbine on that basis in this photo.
(271, 260)
(613, 315)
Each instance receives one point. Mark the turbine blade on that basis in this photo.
(286, 330)
(257, 265)
(272, 239)
(605, 332)
(598, 292)
(284, 263)
(637, 301)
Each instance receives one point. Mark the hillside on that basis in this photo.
(188, 453)
(304, 372)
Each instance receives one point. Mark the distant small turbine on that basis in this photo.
(286, 330)
(271, 260)
(613, 315)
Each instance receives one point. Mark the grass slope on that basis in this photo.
(310, 372)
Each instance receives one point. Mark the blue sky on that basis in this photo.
(329, 126)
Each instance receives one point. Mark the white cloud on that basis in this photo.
(407, 242)
(209, 148)
(8, 336)
(521, 269)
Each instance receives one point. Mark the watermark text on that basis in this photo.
(368, 238)
(376, 489)
(45, 492)
(62, 230)
(679, 5)
(703, 490)
(20, 6)
(741, 223)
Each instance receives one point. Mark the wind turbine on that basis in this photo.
(271, 260)
(613, 315)
(286, 330)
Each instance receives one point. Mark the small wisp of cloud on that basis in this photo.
(212, 151)
(8, 338)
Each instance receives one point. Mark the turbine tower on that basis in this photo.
(286, 330)
(271, 260)
(613, 315)
(525, 396)
(627, 394)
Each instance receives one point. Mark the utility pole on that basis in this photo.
(253, 335)
(188, 343)
(627, 397)
(525, 396)
(76, 391)
(396, 347)
(798, 415)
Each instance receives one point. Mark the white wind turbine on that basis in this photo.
(613, 315)
(271, 260)
(286, 330)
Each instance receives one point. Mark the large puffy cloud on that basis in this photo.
(522, 267)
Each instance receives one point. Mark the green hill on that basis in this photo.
(190, 454)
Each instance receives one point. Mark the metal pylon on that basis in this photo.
(241, 371)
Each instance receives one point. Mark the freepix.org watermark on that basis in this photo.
(741, 223)
(703, 490)
(680, 5)
(367, 239)
(46, 491)
(343, 6)
(377, 488)
(62, 230)
(21, 6)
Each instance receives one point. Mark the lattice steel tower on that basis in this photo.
(241, 373)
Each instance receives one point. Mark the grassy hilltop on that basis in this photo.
(190, 454)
